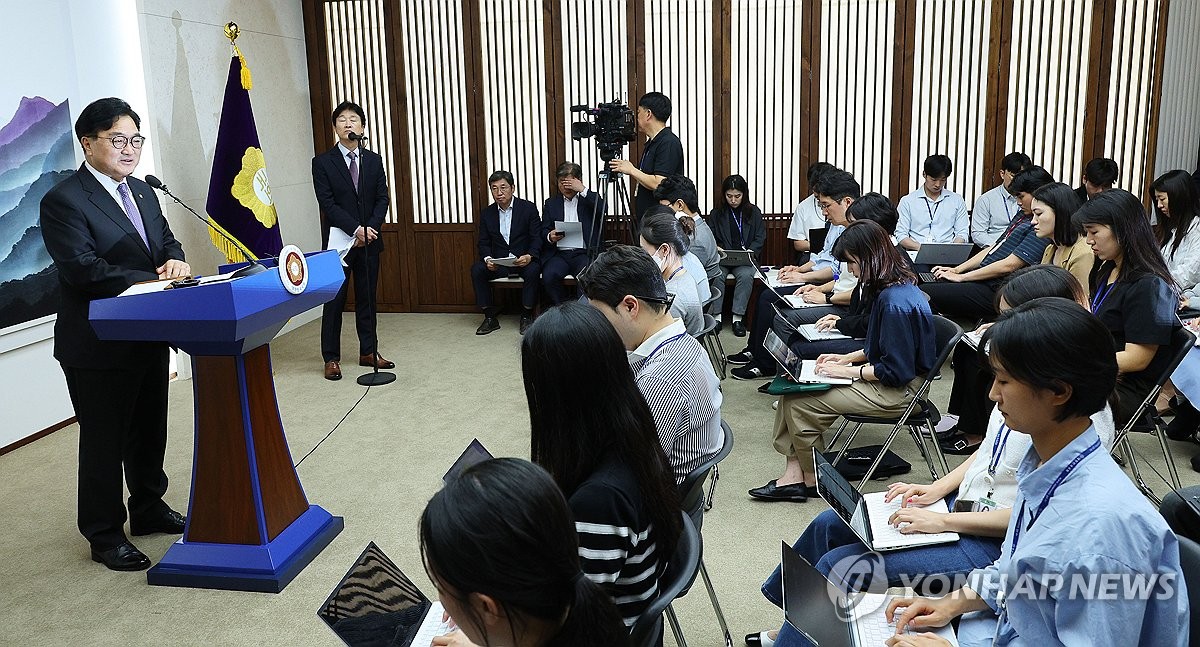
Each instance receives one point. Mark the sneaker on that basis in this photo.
(740, 359)
(747, 373)
(490, 324)
(526, 321)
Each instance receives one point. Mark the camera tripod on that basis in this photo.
(609, 185)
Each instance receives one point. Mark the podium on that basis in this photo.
(250, 526)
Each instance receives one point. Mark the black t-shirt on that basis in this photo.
(1138, 311)
(663, 156)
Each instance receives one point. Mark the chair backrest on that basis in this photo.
(691, 491)
(679, 574)
(946, 333)
(716, 291)
(1182, 342)
(710, 324)
(1189, 563)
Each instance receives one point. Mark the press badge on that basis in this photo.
(984, 504)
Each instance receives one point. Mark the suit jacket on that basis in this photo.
(552, 212)
(343, 206)
(754, 231)
(98, 255)
(525, 235)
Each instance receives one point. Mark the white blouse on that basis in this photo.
(1184, 263)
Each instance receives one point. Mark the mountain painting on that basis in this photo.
(37, 151)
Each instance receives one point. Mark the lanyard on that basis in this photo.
(932, 213)
(998, 449)
(1033, 517)
(677, 270)
(1102, 293)
(737, 220)
(663, 343)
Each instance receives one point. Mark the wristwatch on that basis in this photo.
(829, 297)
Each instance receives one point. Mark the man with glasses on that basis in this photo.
(105, 231)
(662, 156)
(670, 367)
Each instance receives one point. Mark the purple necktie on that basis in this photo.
(131, 210)
(354, 169)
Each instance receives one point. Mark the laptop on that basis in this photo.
(474, 454)
(811, 333)
(791, 300)
(735, 257)
(943, 253)
(376, 604)
(867, 514)
(828, 618)
(800, 371)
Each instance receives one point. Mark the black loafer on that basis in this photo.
(125, 557)
(794, 492)
(739, 329)
(169, 522)
(489, 324)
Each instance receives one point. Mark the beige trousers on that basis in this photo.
(802, 418)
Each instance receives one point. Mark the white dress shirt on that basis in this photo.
(506, 221)
(807, 216)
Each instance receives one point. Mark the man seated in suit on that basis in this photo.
(508, 227)
(574, 203)
(105, 231)
(352, 192)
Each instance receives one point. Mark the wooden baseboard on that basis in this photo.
(41, 434)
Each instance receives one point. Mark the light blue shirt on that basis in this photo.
(506, 221)
(695, 269)
(824, 258)
(991, 215)
(932, 221)
(1096, 531)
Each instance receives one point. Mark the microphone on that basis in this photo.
(254, 267)
(353, 136)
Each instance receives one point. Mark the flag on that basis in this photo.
(239, 196)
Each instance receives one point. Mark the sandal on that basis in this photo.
(958, 443)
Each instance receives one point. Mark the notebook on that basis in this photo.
(867, 514)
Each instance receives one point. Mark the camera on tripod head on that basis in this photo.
(613, 126)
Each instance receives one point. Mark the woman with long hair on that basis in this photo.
(1132, 292)
(738, 224)
(665, 238)
(1054, 206)
(1177, 209)
(900, 348)
(592, 430)
(499, 544)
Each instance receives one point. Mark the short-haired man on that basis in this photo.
(808, 217)
(662, 156)
(995, 209)
(105, 231)
(352, 192)
(932, 213)
(509, 227)
(679, 193)
(670, 367)
(968, 291)
(574, 203)
(835, 191)
(1099, 175)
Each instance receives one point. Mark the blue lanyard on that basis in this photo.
(677, 270)
(663, 343)
(1049, 493)
(932, 212)
(737, 220)
(998, 449)
(1102, 293)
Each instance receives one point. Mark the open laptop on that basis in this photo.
(791, 300)
(735, 257)
(816, 608)
(943, 253)
(800, 371)
(811, 333)
(474, 453)
(376, 604)
(867, 514)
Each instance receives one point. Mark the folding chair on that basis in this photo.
(1182, 342)
(917, 415)
(679, 574)
(711, 342)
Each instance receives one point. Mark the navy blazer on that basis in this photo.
(525, 235)
(552, 212)
(99, 254)
(344, 207)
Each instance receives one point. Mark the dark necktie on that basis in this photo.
(132, 212)
(354, 169)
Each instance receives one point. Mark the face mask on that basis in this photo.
(661, 262)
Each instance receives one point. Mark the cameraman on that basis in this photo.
(663, 155)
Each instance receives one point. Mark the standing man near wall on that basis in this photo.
(352, 191)
(106, 231)
(662, 156)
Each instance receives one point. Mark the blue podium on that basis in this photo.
(250, 526)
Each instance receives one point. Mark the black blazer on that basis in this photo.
(98, 255)
(754, 231)
(552, 212)
(525, 234)
(344, 207)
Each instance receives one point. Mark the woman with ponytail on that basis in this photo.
(666, 239)
(499, 544)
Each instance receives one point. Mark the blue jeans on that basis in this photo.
(829, 542)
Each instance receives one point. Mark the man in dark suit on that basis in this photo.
(352, 191)
(508, 226)
(105, 231)
(574, 203)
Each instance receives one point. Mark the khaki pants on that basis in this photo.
(802, 418)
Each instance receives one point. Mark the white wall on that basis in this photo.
(170, 59)
(1179, 119)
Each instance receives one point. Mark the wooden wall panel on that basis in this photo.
(445, 254)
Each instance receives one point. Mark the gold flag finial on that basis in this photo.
(231, 32)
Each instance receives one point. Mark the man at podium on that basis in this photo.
(105, 231)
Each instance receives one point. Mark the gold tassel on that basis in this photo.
(231, 252)
(231, 32)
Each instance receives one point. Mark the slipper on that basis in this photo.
(958, 444)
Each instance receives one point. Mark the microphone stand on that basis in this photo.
(376, 377)
(255, 266)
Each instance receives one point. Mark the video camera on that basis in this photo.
(613, 127)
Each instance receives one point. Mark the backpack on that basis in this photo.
(855, 462)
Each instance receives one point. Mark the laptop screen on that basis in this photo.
(788, 360)
(808, 603)
(474, 454)
(835, 489)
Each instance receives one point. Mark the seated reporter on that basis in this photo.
(679, 193)
(738, 224)
(601, 446)
(1054, 206)
(499, 544)
(665, 239)
(900, 347)
(1077, 520)
(967, 290)
(574, 203)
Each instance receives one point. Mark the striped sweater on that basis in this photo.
(616, 537)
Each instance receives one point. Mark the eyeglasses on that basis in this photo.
(666, 301)
(121, 141)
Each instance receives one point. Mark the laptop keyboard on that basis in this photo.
(432, 626)
(927, 277)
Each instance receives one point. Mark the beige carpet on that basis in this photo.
(377, 471)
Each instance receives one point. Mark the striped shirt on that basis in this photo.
(616, 537)
(678, 382)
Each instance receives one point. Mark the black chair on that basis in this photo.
(1189, 563)
(1182, 342)
(711, 342)
(680, 572)
(917, 415)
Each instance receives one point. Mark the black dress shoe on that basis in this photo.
(1183, 425)
(739, 329)
(125, 557)
(794, 492)
(765, 387)
(169, 522)
(526, 321)
(489, 324)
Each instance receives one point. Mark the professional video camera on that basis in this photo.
(613, 127)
